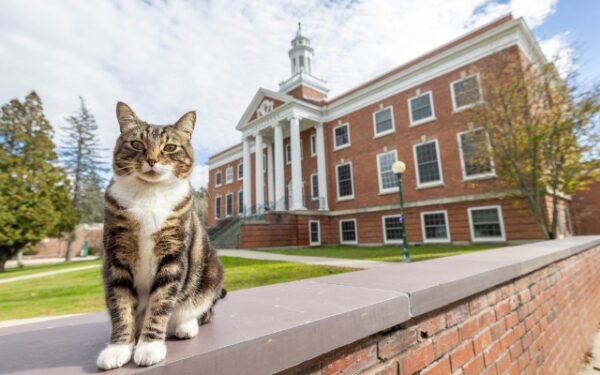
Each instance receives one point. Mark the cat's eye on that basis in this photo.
(170, 148)
(137, 145)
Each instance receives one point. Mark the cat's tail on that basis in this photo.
(223, 293)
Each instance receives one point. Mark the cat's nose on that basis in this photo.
(151, 162)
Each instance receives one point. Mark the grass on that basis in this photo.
(30, 270)
(385, 253)
(82, 291)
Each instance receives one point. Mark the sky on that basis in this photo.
(165, 58)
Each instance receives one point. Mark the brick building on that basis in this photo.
(325, 172)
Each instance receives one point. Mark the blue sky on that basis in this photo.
(165, 58)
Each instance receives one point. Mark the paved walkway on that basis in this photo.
(593, 367)
(49, 273)
(321, 261)
(40, 261)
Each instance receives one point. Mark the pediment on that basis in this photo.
(264, 102)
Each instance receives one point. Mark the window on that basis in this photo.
(240, 171)
(288, 153)
(313, 145)
(218, 208)
(486, 224)
(240, 202)
(314, 230)
(314, 186)
(474, 149)
(392, 229)
(465, 92)
(228, 175)
(345, 188)
(229, 204)
(388, 181)
(218, 179)
(427, 163)
(383, 122)
(341, 136)
(348, 231)
(421, 108)
(434, 226)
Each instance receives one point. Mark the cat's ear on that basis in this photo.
(186, 123)
(126, 117)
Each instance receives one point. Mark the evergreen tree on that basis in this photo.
(201, 204)
(34, 190)
(80, 154)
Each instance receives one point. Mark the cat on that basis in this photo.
(161, 275)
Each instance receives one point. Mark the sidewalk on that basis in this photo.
(320, 261)
(49, 273)
(40, 261)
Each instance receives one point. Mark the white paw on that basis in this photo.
(187, 329)
(114, 355)
(149, 353)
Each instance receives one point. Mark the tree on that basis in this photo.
(80, 154)
(34, 190)
(541, 129)
(201, 204)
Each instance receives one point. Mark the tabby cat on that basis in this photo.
(161, 275)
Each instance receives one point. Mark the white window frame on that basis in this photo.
(337, 182)
(336, 147)
(240, 167)
(227, 214)
(220, 199)
(381, 189)
(311, 243)
(423, 120)
(467, 106)
(392, 130)
(487, 239)
(423, 232)
(312, 185)
(490, 174)
(355, 242)
(217, 179)
(313, 145)
(439, 160)
(240, 205)
(385, 239)
(228, 180)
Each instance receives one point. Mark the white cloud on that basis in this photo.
(199, 176)
(560, 50)
(165, 58)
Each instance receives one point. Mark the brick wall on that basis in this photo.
(541, 323)
(586, 210)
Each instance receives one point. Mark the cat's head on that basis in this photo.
(153, 153)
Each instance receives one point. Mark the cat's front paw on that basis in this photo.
(149, 353)
(114, 355)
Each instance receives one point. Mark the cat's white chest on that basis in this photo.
(150, 205)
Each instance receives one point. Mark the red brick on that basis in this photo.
(502, 309)
(417, 358)
(508, 339)
(457, 315)
(396, 342)
(489, 371)
(461, 355)
(474, 367)
(512, 320)
(431, 326)
(503, 363)
(492, 353)
(469, 328)
(524, 296)
(441, 367)
(486, 318)
(478, 304)
(523, 361)
(482, 340)
(386, 368)
(445, 341)
(498, 329)
(353, 362)
(527, 340)
(515, 350)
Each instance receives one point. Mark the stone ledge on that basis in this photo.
(270, 329)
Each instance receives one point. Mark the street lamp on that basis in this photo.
(398, 168)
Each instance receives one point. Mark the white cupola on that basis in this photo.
(301, 54)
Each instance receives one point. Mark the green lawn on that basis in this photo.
(29, 270)
(385, 253)
(81, 291)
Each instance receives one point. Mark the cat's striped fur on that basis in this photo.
(161, 274)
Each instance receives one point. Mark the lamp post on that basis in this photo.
(398, 168)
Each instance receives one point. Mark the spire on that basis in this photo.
(299, 32)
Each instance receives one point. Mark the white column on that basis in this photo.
(321, 170)
(296, 164)
(247, 184)
(259, 173)
(279, 171)
(270, 187)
